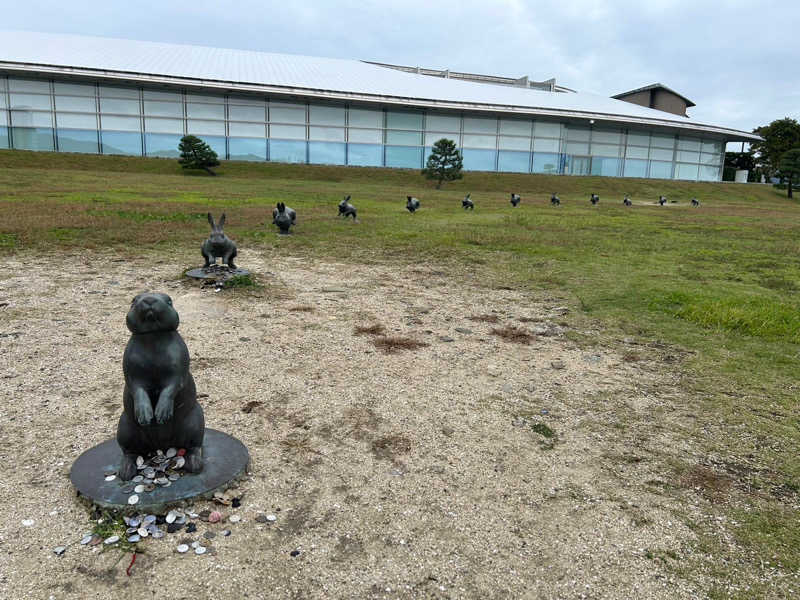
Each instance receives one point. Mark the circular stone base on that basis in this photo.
(217, 272)
(225, 460)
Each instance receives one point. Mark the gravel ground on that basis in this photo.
(414, 474)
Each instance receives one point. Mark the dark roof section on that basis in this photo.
(655, 86)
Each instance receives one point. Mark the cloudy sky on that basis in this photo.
(738, 61)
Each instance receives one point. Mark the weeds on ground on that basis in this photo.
(485, 318)
(395, 344)
(375, 329)
(514, 334)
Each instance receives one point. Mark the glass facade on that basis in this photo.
(52, 115)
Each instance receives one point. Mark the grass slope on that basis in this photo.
(721, 280)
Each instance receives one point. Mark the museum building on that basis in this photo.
(68, 93)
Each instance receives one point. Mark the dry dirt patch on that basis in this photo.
(426, 473)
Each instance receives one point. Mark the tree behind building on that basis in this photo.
(196, 154)
(789, 168)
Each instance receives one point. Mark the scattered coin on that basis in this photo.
(200, 550)
(158, 533)
(133, 499)
(59, 550)
(272, 518)
(134, 538)
(131, 530)
(235, 518)
(210, 535)
(226, 532)
(171, 452)
(214, 517)
(182, 548)
(134, 521)
(111, 540)
(294, 553)
(139, 488)
(140, 461)
(260, 519)
(142, 531)
(191, 528)
(110, 477)
(96, 539)
(195, 544)
(86, 539)
(149, 519)
(178, 463)
(138, 479)
(28, 522)
(171, 516)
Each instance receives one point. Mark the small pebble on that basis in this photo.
(111, 540)
(28, 522)
(261, 519)
(236, 502)
(59, 550)
(272, 518)
(235, 518)
(210, 535)
(86, 539)
(195, 544)
(110, 477)
(134, 538)
(191, 528)
(200, 550)
(226, 532)
(294, 553)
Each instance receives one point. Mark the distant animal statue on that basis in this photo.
(627, 201)
(412, 204)
(282, 218)
(515, 200)
(662, 200)
(555, 200)
(218, 245)
(347, 209)
(289, 211)
(695, 202)
(159, 401)
(594, 199)
(467, 203)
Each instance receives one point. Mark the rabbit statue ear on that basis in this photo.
(222, 221)
(211, 220)
(347, 199)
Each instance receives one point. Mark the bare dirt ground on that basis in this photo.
(423, 473)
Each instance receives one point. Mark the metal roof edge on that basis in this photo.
(208, 84)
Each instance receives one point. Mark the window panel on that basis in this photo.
(3, 136)
(2, 83)
(686, 171)
(479, 141)
(118, 106)
(3, 118)
(635, 168)
(546, 163)
(606, 167)
(78, 141)
(285, 112)
(76, 121)
(28, 85)
(291, 132)
(637, 152)
(247, 149)
(165, 96)
(114, 142)
(197, 127)
(25, 118)
(638, 138)
(366, 136)
(247, 113)
(204, 99)
(30, 138)
(196, 110)
(331, 134)
(708, 173)
(516, 127)
(660, 140)
(447, 123)
(546, 145)
(710, 159)
(479, 160)
(403, 120)
(326, 153)
(163, 126)
(119, 92)
(157, 144)
(606, 136)
(326, 115)
(293, 152)
(431, 137)
(686, 156)
(685, 143)
(606, 150)
(362, 117)
(33, 101)
(74, 89)
(247, 101)
(364, 155)
(404, 138)
(256, 130)
(3, 103)
(577, 165)
(661, 153)
(75, 104)
(514, 143)
(712, 146)
(660, 170)
(514, 162)
(547, 129)
(162, 109)
(217, 144)
(403, 157)
(121, 123)
(576, 148)
(578, 134)
(480, 125)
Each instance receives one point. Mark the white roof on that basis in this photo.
(244, 70)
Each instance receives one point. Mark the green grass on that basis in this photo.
(719, 283)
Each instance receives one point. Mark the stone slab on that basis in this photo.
(225, 460)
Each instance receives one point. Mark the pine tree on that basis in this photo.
(444, 163)
(789, 167)
(196, 154)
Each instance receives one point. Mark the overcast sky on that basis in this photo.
(738, 61)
